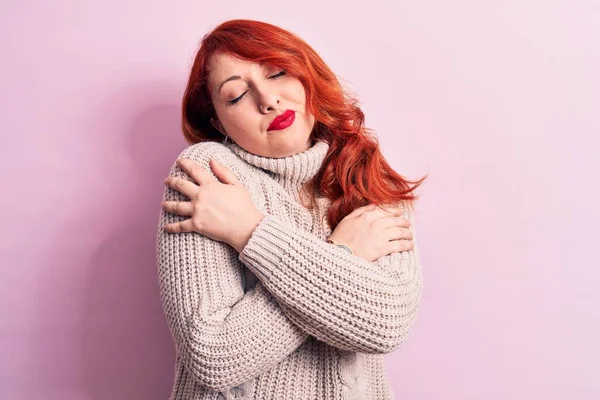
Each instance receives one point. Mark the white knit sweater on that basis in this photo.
(291, 316)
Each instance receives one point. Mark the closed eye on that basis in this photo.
(237, 99)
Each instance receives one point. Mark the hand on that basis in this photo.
(372, 232)
(221, 210)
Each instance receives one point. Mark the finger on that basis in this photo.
(179, 227)
(394, 220)
(396, 246)
(387, 210)
(223, 173)
(379, 212)
(398, 233)
(360, 210)
(182, 185)
(195, 171)
(184, 208)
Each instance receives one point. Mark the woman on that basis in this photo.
(286, 255)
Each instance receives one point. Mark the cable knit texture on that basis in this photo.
(291, 316)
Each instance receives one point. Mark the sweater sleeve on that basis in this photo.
(339, 298)
(223, 335)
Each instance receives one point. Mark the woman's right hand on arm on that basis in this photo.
(373, 232)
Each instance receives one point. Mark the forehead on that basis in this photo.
(222, 65)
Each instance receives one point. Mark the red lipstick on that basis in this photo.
(282, 121)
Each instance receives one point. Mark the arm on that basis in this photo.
(223, 335)
(341, 299)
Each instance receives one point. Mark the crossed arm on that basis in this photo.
(224, 336)
(306, 287)
(341, 299)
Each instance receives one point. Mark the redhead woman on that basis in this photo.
(286, 254)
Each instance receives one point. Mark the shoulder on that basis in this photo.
(201, 153)
(204, 151)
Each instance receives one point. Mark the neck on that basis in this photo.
(290, 171)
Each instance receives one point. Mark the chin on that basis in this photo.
(288, 144)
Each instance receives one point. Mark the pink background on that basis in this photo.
(497, 101)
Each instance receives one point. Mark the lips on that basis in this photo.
(282, 121)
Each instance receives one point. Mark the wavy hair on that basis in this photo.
(354, 172)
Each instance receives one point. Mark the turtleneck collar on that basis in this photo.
(290, 171)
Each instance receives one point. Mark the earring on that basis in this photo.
(225, 141)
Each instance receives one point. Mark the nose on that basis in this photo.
(265, 109)
(267, 101)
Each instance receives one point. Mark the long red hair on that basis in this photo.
(354, 172)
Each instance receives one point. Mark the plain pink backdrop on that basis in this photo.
(497, 101)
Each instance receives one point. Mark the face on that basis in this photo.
(247, 104)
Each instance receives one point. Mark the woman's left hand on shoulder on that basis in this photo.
(220, 209)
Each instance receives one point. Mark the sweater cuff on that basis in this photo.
(270, 241)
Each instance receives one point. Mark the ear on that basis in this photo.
(218, 126)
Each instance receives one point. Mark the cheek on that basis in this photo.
(234, 116)
(243, 121)
(300, 93)
(310, 119)
(294, 91)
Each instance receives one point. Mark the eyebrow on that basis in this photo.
(231, 78)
